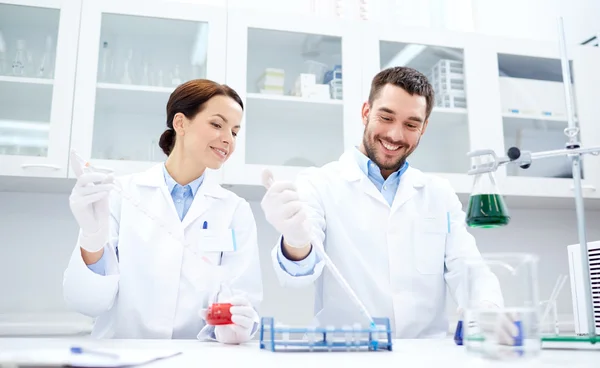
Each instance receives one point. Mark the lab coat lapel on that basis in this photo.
(351, 172)
(209, 192)
(155, 196)
(410, 182)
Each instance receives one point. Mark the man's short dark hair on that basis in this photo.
(409, 79)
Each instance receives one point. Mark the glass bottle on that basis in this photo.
(486, 205)
(46, 69)
(18, 65)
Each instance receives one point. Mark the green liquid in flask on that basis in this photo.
(487, 211)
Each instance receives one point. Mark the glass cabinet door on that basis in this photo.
(534, 112)
(131, 60)
(296, 79)
(440, 56)
(533, 107)
(447, 133)
(38, 40)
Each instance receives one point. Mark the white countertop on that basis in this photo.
(44, 324)
(406, 353)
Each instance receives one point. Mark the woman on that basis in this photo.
(151, 270)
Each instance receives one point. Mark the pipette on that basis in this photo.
(267, 179)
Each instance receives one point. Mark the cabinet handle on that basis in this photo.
(43, 166)
(586, 186)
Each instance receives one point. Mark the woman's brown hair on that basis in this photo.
(189, 99)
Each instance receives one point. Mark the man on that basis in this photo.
(397, 235)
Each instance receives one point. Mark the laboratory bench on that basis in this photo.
(406, 353)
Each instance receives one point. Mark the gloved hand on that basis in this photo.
(90, 207)
(501, 325)
(243, 317)
(284, 210)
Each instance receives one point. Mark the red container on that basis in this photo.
(219, 314)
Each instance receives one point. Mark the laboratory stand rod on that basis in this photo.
(565, 152)
(576, 163)
(566, 74)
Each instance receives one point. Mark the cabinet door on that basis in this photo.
(300, 81)
(534, 114)
(131, 57)
(38, 43)
(441, 56)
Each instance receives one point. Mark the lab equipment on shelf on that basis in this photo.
(18, 65)
(307, 87)
(272, 81)
(354, 337)
(448, 81)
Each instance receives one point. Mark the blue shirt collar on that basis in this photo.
(171, 183)
(370, 169)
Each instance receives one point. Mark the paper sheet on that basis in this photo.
(64, 357)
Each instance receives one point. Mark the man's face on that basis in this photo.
(394, 124)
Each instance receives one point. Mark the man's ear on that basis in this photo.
(366, 108)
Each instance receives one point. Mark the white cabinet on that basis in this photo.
(38, 53)
(130, 59)
(97, 75)
(300, 82)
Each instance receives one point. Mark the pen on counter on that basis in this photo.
(81, 350)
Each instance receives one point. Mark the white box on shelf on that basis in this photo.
(304, 85)
(447, 77)
(272, 80)
(337, 89)
(455, 100)
(533, 97)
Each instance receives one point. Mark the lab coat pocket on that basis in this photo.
(430, 244)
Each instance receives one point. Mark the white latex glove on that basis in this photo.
(243, 317)
(285, 212)
(90, 207)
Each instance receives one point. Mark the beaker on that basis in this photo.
(501, 306)
(486, 205)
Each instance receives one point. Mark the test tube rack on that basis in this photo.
(298, 339)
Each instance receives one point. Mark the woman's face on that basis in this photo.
(209, 138)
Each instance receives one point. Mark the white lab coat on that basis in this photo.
(398, 260)
(157, 288)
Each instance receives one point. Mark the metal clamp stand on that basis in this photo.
(574, 151)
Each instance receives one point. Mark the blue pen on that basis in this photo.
(80, 350)
(205, 226)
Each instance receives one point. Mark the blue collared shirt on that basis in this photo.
(387, 187)
(183, 196)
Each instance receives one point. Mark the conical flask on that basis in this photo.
(486, 205)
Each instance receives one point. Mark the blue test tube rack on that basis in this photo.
(367, 339)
